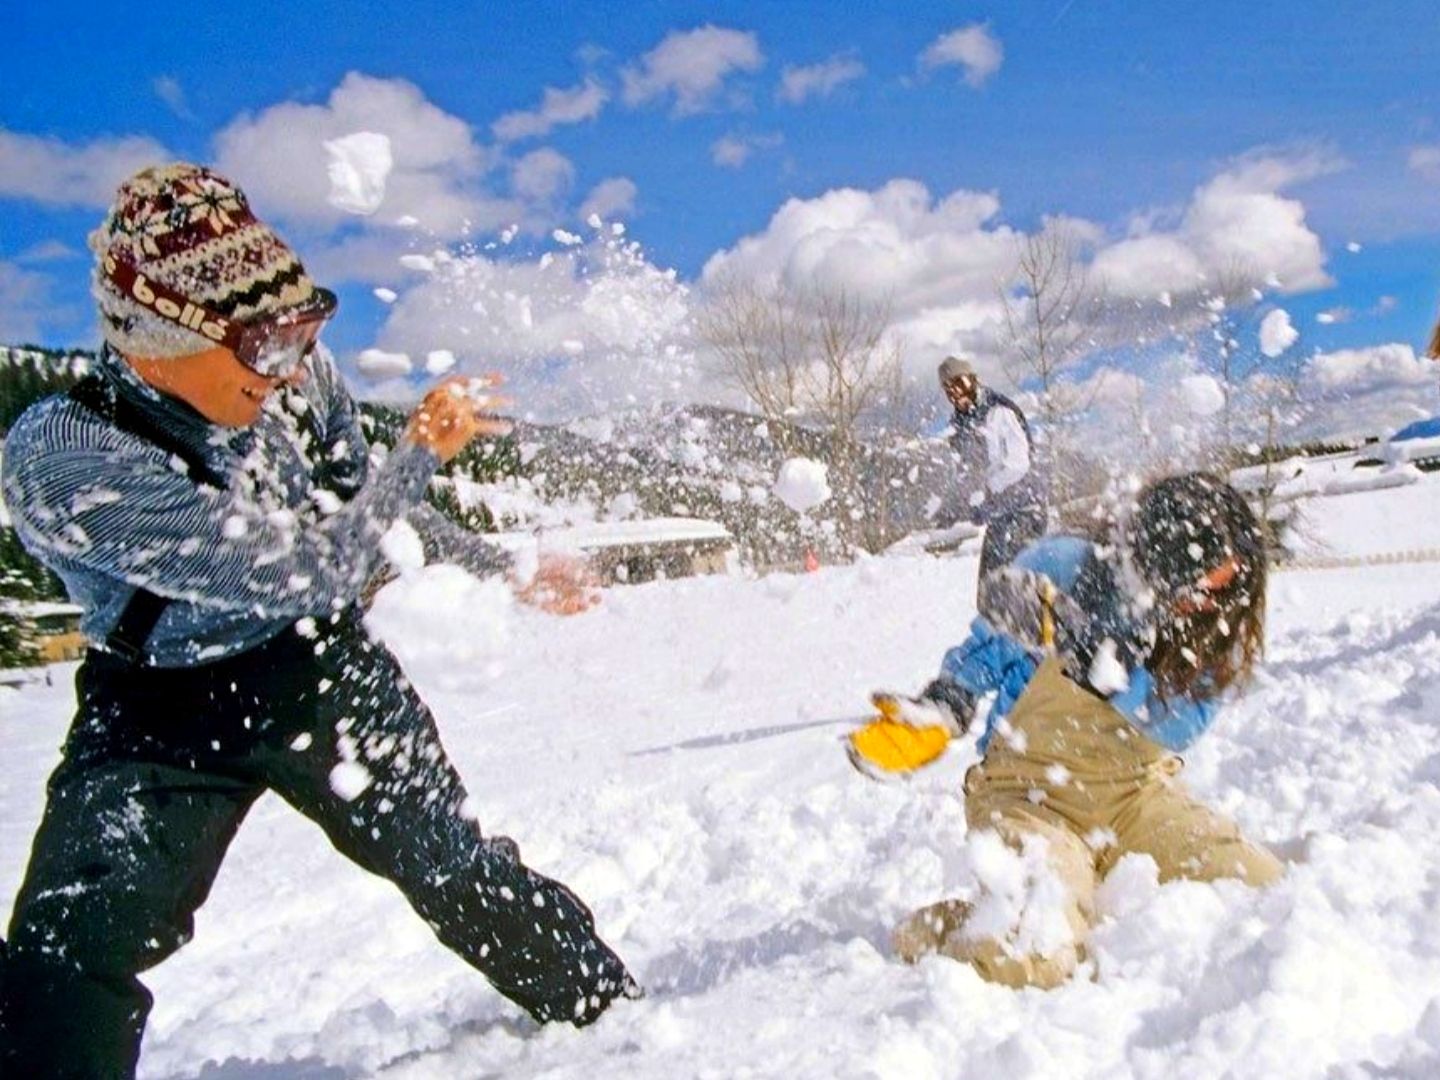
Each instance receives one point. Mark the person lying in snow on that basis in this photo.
(1105, 662)
(207, 497)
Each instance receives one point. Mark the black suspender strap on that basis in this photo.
(143, 611)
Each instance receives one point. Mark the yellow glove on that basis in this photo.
(892, 745)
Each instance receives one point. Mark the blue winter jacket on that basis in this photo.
(1091, 618)
(293, 531)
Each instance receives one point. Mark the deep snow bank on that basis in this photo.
(670, 756)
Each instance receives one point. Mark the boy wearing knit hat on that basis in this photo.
(997, 484)
(208, 498)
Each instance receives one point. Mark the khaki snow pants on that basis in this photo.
(1071, 770)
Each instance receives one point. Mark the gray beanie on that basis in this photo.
(955, 368)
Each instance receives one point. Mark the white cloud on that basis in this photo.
(60, 174)
(1366, 391)
(168, 89)
(729, 152)
(47, 251)
(24, 303)
(556, 107)
(939, 263)
(1277, 333)
(973, 48)
(542, 176)
(733, 151)
(1236, 222)
(692, 65)
(1425, 160)
(1366, 370)
(610, 199)
(278, 156)
(799, 82)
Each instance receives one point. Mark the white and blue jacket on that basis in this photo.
(1092, 617)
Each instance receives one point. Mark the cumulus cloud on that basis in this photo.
(1366, 391)
(60, 174)
(609, 199)
(556, 107)
(1425, 160)
(1365, 370)
(278, 155)
(693, 66)
(973, 48)
(733, 151)
(1237, 222)
(939, 263)
(798, 83)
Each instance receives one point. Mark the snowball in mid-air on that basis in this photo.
(1203, 395)
(802, 484)
(379, 364)
(1277, 333)
(359, 165)
(439, 361)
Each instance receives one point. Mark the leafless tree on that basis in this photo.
(819, 356)
(1052, 320)
(1225, 303)
(764, 351)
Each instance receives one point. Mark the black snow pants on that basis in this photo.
(1009, 530)
(159, 769)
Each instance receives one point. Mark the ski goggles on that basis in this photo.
(1202, 597)
(271, 347)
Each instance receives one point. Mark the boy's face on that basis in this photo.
(962, 392)
(213, 383)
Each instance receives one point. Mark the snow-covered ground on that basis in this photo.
(673, 756)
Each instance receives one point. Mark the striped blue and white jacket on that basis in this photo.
(293, 533)
(1100, 635)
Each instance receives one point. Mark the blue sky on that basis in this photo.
(1115, 113)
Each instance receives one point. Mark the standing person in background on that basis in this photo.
(999, 486)
(208, 498)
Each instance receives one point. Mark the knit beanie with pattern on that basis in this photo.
(186, 227)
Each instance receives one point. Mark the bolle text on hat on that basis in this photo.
(182, 230)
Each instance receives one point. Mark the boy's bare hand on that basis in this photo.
(456, 411)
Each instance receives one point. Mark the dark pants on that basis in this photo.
(159, 769)
(1009, 530)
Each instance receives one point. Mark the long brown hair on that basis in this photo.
(1207, 638)
(1434, 349)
